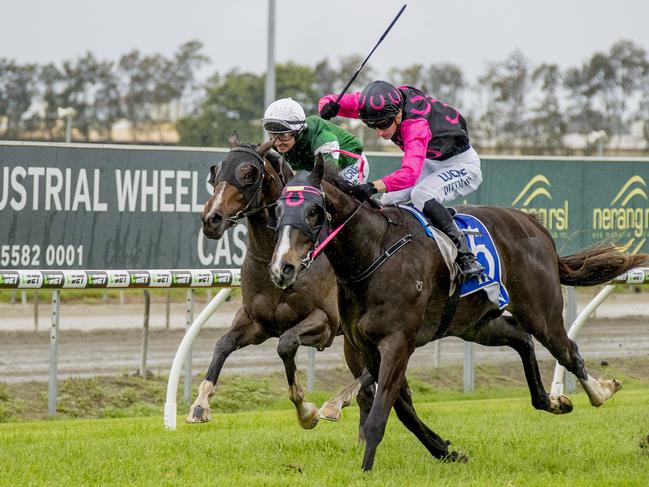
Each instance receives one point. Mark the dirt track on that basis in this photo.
(106, 340)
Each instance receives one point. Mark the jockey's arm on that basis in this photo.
(416, 135)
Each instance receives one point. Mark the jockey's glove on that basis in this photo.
(363, 192)
(330, 110)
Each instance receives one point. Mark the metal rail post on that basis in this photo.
(54, 353)
(310, 369)
(187, 393)
(469, 368)
(145, 333)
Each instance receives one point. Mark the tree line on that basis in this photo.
(513, 105)
(142, 89)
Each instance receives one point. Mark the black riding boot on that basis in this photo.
(442, 219)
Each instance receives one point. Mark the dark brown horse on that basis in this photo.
(246, 183)
(402, 303)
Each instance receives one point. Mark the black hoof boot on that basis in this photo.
(469, 266)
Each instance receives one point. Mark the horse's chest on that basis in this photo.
(274, 315)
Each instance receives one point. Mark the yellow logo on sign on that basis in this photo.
(622, 221)
(536, 191)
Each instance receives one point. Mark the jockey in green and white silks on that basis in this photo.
(300, 138)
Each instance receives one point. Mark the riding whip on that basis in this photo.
(370, 54)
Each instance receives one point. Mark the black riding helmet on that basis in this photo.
(380, 101)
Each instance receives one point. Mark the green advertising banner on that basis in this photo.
(581, 201)
(82, 206)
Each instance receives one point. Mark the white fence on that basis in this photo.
(227, 279)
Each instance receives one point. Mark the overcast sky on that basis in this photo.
(469, 33)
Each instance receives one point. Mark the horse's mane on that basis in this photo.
(332, 175)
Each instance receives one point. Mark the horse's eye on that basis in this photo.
(247, 174)
(312, 213)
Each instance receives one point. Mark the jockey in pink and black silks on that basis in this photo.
(438, 165)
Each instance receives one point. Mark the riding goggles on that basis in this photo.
(284, 137)
(379, 124)
(275, 126)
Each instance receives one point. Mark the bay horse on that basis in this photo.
(401, 304)
(246, 184)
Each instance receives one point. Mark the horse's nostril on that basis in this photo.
(213, 218)
(287, 270)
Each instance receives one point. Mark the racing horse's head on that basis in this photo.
(242, 181)
(303, 221)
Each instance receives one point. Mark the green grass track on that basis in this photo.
(509, 443)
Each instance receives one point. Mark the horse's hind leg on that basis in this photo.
(314, 331)
(406, 413)
(243, 332)
(505, 331)
(543, 319)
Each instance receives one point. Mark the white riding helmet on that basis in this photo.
(284, 115)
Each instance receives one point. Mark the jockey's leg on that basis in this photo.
(442, 219)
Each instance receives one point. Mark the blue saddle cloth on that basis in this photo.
(482, 245)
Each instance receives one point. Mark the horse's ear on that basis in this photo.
(318, 170)
(275, 158)
(265, 147)
(233, 140)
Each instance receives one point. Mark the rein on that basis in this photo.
(244, 214)
(319, 246)
(311, 256)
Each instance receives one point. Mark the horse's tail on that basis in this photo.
(597, 265)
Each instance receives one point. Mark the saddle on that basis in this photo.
(481, 244)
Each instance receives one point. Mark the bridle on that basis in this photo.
(316, 234)
(246, 190)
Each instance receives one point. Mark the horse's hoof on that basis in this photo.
(602, 390)
(611, 387)
(310, 419)
(456, 457)
(330, 412)
(198, 414)
(560, 404)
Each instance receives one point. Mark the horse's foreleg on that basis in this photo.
(406, 413)
(504, 331)
(243, 332)
(394, 351)
(315, 331)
